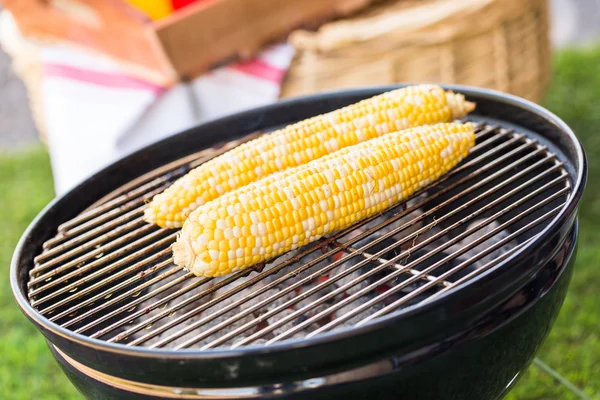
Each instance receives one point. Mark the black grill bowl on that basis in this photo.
(469, 343)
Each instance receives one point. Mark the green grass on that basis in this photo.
(27, 370)
(573, 347)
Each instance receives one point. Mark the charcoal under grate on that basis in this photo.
(108, 275)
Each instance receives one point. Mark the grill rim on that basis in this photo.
(40, 227)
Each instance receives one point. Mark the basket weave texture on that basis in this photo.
(497, 44)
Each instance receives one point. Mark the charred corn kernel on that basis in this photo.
(303, 142)
(384, 171)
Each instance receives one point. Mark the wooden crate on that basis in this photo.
(180, 46)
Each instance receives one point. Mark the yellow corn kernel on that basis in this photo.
(303, 142)
(392, 172)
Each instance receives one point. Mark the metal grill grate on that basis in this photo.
(108, 275)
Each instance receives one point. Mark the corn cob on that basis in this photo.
(281, 175)
(302, 142)
(295, 207)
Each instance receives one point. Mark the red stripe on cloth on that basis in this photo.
(107, 79)
(260, 69)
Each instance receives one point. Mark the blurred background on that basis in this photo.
(85, 82)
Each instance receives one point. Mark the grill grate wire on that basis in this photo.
(108, 275)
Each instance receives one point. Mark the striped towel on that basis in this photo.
(96, 114)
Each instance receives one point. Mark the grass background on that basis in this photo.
(573, 347)
(28, 371)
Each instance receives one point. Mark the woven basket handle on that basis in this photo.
(409, 20)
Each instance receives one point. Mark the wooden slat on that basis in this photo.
(204, 35)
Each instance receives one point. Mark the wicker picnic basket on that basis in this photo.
(497, 44)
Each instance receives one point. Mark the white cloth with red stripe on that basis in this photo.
(95, 114)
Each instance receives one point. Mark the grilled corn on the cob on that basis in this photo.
(302, 142)
(294, 207)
